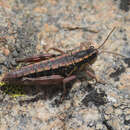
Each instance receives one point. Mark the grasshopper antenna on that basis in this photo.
(106, 38)
(110, 52)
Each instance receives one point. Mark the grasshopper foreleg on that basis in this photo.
(92, 75)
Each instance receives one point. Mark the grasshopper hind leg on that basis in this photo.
(36, 58)
(41, 57)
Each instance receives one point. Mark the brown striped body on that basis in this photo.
(60, 65)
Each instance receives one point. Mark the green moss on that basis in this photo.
(12, 90)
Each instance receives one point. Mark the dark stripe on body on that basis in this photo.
(60, 65)
(63, 70)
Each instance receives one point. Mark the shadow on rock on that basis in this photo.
(121, 69)
(35, 93)
(97, 97)
(125, 5)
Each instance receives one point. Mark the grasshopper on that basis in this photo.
(52, 69)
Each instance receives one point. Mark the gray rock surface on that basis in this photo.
(28, 27)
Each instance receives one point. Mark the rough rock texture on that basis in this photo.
(28, 27)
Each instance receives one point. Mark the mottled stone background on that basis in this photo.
(28, 27)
